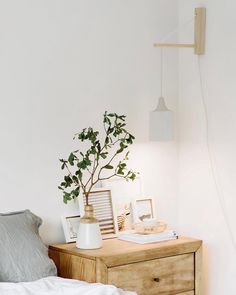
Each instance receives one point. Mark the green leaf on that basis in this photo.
(120, 150)
(82, 165)
(122, 165)
(80, 174)
(108, 166)
(107, 140)
(110, 130)
(63, 183)
(122, 118)
(92, 150)
(76, 191)
(63, 163)
(120, 171)
(71, 159)
(133, 176)
(107, 121)
(75, 178)
(122, 145)
(66, 197)
(88, 162)
(68, 181)
(99, 147)
(104, 155)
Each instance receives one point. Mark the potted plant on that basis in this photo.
(105, 158)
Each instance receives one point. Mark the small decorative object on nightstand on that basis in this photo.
(166, 268)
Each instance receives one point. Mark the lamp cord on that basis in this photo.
(176, 30)
(212, 161)
(161, 70)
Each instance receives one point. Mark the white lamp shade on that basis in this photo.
(161, 125)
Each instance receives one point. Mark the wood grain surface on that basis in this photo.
(166, 268)
(164, 276)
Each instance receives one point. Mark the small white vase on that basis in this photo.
(89, 234)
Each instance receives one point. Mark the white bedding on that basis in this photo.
(59, 286)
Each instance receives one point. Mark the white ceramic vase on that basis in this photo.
(89, 234)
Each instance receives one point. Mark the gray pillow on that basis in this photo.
(23, 256)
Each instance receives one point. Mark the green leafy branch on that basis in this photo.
(85, 169)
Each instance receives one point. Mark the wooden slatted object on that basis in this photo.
(166, 268)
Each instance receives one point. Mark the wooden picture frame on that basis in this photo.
(70, 224)
(143, 209)
(101, 200)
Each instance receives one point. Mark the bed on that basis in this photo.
(59, 286)
(26, 269)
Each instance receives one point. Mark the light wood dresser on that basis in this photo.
(166, 268)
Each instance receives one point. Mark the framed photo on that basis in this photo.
(70, 226)
(123, 193)
(143, 209)
(101, 200)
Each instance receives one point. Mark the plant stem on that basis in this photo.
(86, 197)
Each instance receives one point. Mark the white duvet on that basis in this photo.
(60, 286)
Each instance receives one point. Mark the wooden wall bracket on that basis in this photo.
(199, 34)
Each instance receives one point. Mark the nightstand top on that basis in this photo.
(115, 252)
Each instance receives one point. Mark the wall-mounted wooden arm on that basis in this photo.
(199, 34)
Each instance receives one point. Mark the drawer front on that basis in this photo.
(164, 276)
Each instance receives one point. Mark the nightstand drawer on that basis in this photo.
(164, 276)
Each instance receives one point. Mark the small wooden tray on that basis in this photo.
(150, 227)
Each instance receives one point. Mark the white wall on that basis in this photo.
(200, 213)
(62, 64)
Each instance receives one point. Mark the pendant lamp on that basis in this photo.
(161, 120)
(161, 123)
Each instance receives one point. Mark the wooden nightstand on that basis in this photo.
(166, 268)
